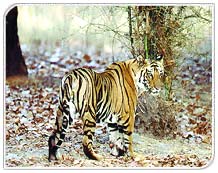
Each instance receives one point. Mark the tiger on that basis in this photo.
(110, 97)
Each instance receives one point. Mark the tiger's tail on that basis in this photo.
(58, 134)
(63, 119)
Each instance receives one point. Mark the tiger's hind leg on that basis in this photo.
(89, 126)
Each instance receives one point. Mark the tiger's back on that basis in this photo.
(116, 92)
(109, 97)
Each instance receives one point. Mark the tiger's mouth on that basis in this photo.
(154, 91)
(146, 87)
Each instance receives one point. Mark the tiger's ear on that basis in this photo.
(141, 60)
(160, 58)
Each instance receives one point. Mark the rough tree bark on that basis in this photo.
(15, 64)
(149, 37)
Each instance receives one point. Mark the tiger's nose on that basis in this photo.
(157, 85)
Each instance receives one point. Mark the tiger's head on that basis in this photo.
(150, 76)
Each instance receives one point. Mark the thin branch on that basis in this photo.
(197, 16)
(130, 29)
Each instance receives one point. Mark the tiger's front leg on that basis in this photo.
(128, 143)
(128, 135)
(116, 140)
(89, 126)
(121, 140)
(121, 143)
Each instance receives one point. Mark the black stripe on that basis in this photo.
(89, 123)
(65, 122)
(140, 76)
(127, 121)
(113, 130)
(66, 111)
(61, 106)
(112, 125)
(123, 126)
(59, 143)
(78, 93)
(62, 136)
(62, 92)
(88, 131)
(75, 74)
(67, 92)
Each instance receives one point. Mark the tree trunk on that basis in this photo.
(15, 64)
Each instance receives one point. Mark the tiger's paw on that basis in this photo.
(137, 157)
(91, 154)
(117, 151)
(95, 156)
(133, 156)
(98, 157)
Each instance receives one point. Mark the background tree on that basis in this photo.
(159, 30)
(15, 64)
(151, 32)
(164, 30)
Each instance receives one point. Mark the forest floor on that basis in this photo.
(30, 115)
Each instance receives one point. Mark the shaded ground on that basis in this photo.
(30, 115)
